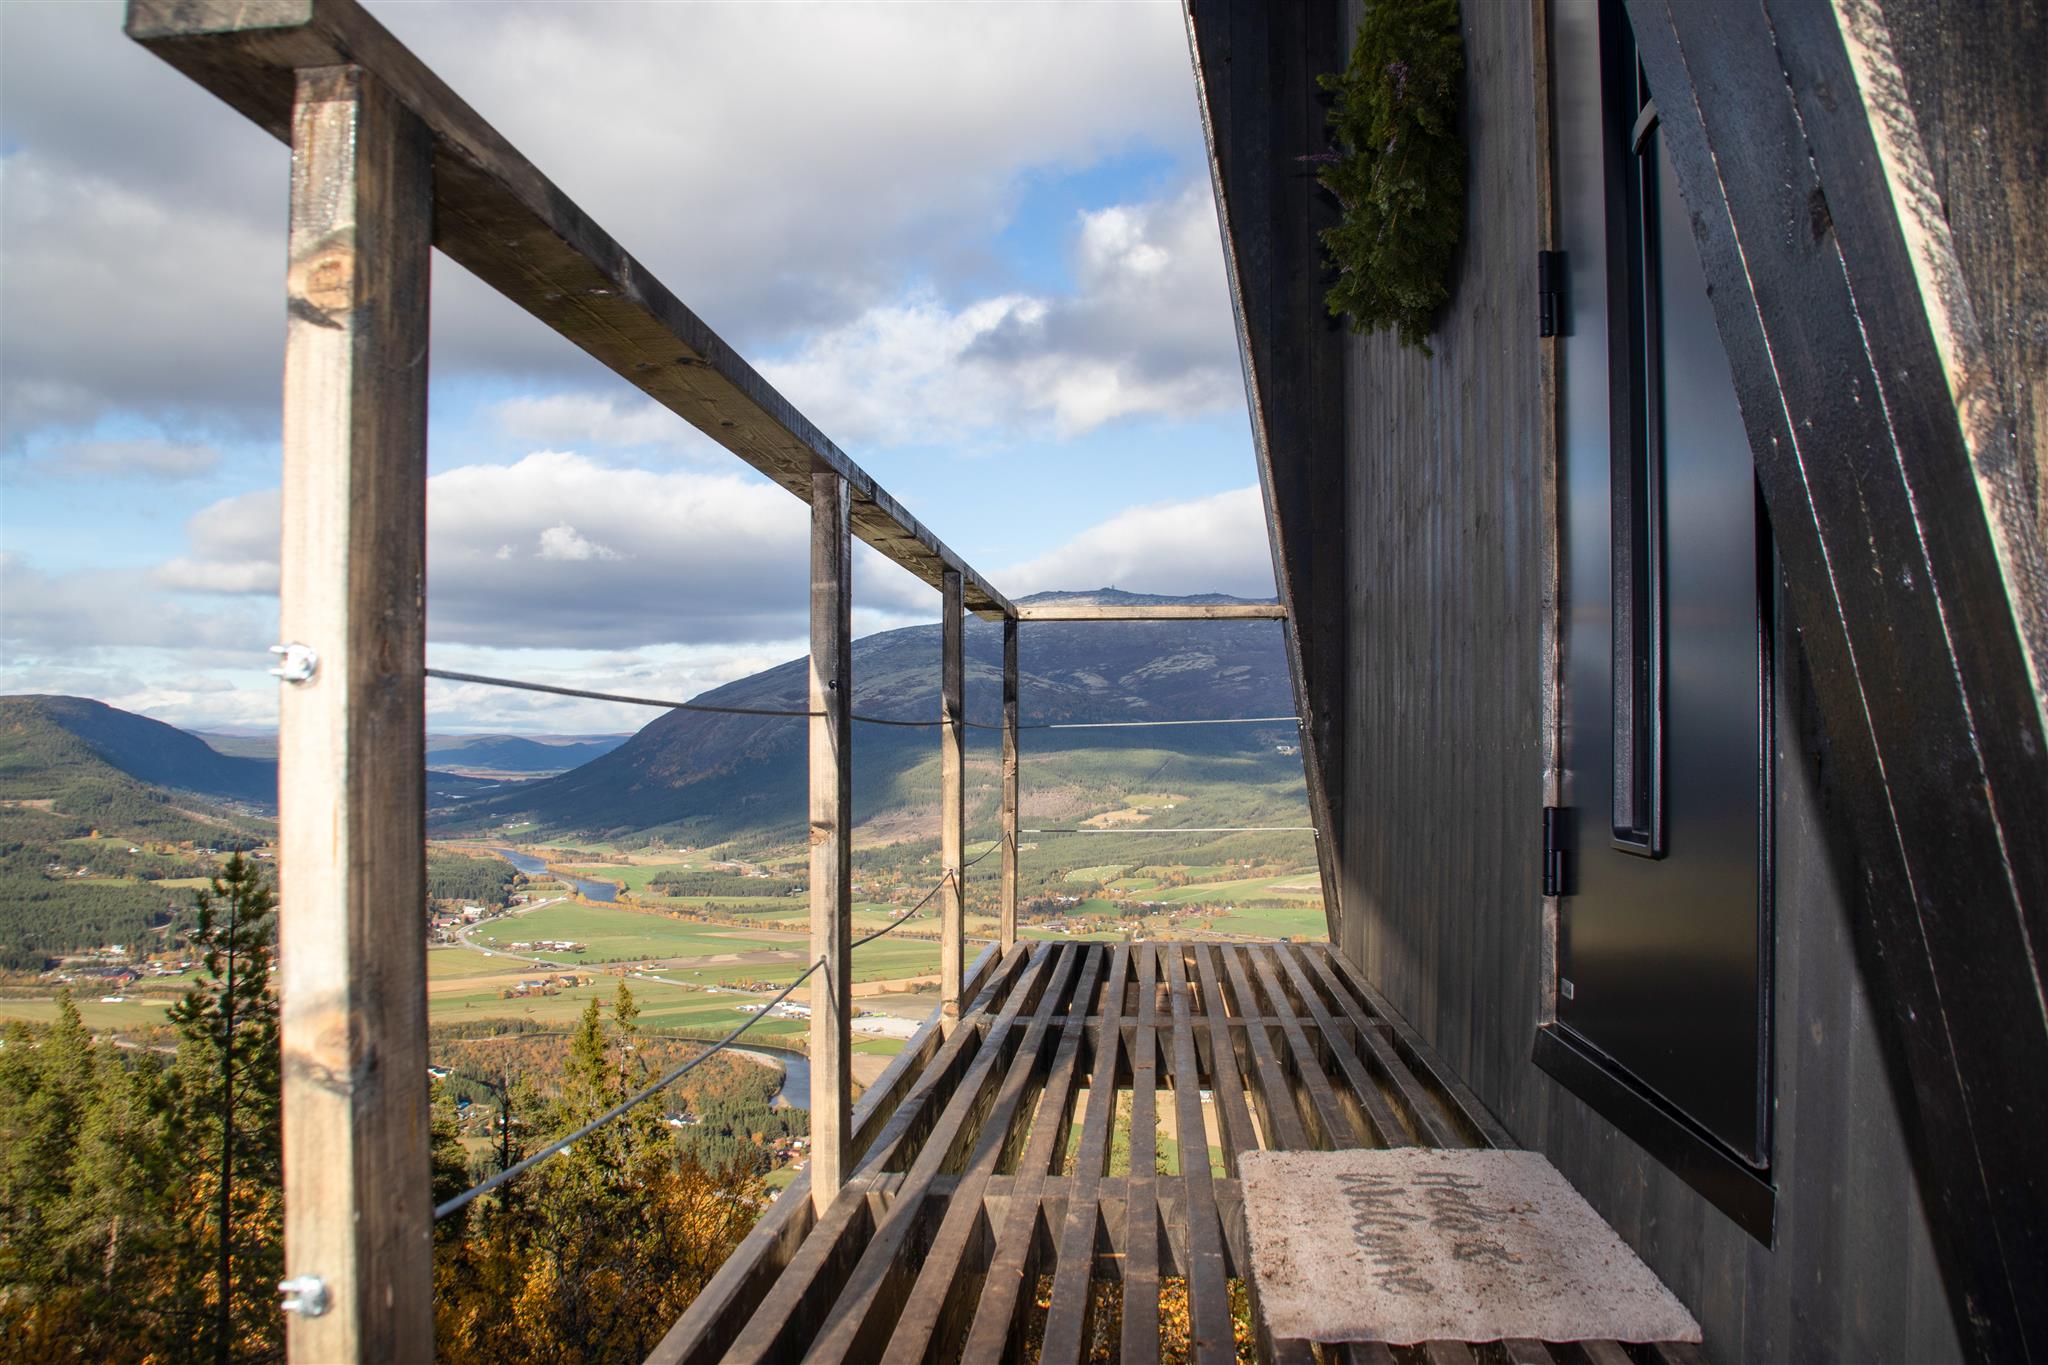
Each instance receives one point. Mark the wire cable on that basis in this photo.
(559, 1144)
(893, 925)
(1133, 724)
(1187, 829)
(711, 708)
(446, 676)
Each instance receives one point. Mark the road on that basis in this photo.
(462, 936)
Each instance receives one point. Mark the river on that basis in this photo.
(796, 1067)
(534, 867)
(796, 1075)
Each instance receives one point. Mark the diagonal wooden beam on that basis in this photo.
(1066, 1319)
(1255, 85)
(1791, 134)
(941, 1284)
(497, 215)
(1207, 1274)
(998, 1315)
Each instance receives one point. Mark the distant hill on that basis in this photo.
(516, 753)
(712, 777)
(48, 743)
(53, 746)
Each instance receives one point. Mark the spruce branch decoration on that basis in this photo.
(1398, 170)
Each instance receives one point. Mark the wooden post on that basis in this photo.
(952, 796)
(831, 836)
(1008, 933)
(351, 736)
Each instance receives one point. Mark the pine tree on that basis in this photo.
(228, 1116)
(85, 1249)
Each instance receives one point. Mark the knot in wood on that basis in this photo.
(326, 280)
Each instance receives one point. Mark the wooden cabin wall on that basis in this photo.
(1443, 771)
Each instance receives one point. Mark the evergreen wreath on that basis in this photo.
(1398, 169)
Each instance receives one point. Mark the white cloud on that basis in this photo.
(227, 577)
(561, 550)
(568, 421)
(1212, 544)
(565, 544)
(76, 616)
(1146, 331)
(164, 461)
(112, 295)
(867, 147)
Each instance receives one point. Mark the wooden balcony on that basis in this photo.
(993, 1213)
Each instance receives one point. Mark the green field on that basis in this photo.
(1276, 922)
(880, 1047)
(133, 1012)
(1091, 876)
(1255, 888)
(613, 934)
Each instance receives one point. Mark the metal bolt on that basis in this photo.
(306, 1294)
(298, 663)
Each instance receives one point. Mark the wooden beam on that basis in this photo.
(952, 796)
(1177, 611)
(1066, 1317)
(1207, 1271)
(1013, 1266)
(1139, 1328)
(512, 227)
(352, 736)
(1838, 337)
(1255, 69)
(1007, 933)
(831, 727)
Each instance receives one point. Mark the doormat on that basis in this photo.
(1417, 1244)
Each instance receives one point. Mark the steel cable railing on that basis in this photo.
(671, 1077)
(950, 876)
(674, 1075)
(712, 708)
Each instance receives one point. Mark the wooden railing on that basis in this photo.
(388, 162)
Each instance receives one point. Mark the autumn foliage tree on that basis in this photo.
(592, 1254)
(139, 1210)
(141, 1207)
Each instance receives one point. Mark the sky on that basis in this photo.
(975, 244)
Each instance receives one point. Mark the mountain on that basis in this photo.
(516, 753)
(715, 777)
(51, 747)
(49, 742)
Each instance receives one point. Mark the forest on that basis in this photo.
(477, 881)
(130, 1176)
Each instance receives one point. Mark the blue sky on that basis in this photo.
(974, 244)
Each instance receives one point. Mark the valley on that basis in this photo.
(672, 861)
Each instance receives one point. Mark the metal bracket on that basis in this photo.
(1549, 293)
(297, 664)
(304, 1294)
(1553, 852)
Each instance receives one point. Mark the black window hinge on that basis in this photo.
(1553, 851)
(1549, 293)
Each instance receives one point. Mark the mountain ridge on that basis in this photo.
(716, 776)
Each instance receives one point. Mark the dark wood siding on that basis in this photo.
(1446, 543)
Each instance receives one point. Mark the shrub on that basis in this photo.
(1399, 168)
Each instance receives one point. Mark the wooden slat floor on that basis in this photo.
(1013, 1198)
